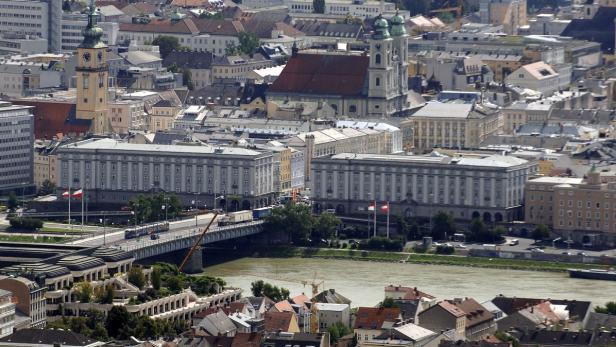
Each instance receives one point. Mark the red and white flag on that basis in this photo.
(66, 194)
(371, 207)
(78, 194)
(385, 207)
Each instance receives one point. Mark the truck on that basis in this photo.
(260, 213)
(236, 217)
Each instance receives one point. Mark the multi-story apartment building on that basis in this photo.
(16, 148)
(360, 8)
(39, 18)
(511, 14)
(326, 142)
(114, 171)
(18, 78)
(126, 115)
(162, 114)
(449, 125)
(238, 67)
(7, 313)
(582, 210)
(61, 280)
(45, 161)
(491, 187)
(520, 113)
(29, 300)
(13, 43)
(72, 31)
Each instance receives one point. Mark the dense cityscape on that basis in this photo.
(307, 173)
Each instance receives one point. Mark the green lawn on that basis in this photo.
(38, 239)
(59, 230)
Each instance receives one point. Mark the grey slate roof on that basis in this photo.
(35, 337)
(189, 60)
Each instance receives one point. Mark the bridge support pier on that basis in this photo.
(195, 262)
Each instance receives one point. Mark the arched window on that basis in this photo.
(377, 82)
(377, 59)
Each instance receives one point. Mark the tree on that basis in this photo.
(156, 278)
(136, 277)
(249, 42)
(318, 6)
(609, 308)
(324, 227)
(119, 323)
(260, 288)
(336, 331)
(294, 220)
(48, 187)
(389, 303)
(84, 291)
(187, 77)
(104, 295)
(166, 44)
(443, 226)
(541, 232)
(12, 204)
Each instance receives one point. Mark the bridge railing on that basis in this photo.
(165, 237)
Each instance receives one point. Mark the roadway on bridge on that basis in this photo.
(177, 229)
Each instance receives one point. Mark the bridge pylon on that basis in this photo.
(195, 262)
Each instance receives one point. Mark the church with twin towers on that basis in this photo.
(372, 84)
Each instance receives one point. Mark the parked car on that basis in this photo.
(537, 250)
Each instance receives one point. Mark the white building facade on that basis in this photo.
(114, 171)
(491, 188)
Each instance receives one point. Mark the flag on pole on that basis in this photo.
(78, 194)
(385, 207)
(66, 194)
(371, 207)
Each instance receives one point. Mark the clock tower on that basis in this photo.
(92, 76)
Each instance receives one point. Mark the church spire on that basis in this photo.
(92, 34)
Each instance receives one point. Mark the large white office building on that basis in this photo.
(16, 149)
(489, 187)
(38, 18)
(113, 171)
(356, 8)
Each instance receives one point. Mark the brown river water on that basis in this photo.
(362, 281)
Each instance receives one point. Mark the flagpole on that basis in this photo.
(387, 219)
(375, 208)
(83, 195)
(70, 226)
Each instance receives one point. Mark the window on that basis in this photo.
(86, 81)
(377, 82)
(377, 59)
(352, 108)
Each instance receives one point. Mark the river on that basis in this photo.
(362, 281)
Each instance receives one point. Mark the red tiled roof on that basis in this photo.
(301, 299)
(236, 306)
(184, 26)
(373, 318)
(247, 340)
(275, 321)
(284, 306)
(451, 308)
(52, 118)
(323, 74)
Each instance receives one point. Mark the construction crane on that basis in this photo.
(314, 319)
(457, 9)
(197, 243)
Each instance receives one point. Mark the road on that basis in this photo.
(176, 228)
(525, 245)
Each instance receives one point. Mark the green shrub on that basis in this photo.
(25, 223)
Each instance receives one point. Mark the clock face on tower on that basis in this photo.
(86, 56)
(100, 57)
